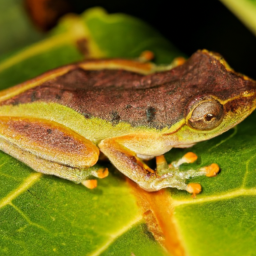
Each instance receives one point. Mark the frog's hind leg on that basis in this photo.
(50, 148)
(77, 175)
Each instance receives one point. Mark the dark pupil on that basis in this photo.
(209, 117)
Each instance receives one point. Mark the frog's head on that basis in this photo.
(214, 99)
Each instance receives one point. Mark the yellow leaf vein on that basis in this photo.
(235, 129)
(30, 181)
(226, 196)
(247, 169)
(76, 31)
(114, 236)
(34, 50)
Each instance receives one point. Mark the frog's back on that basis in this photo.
(112, 95)
(156, 101)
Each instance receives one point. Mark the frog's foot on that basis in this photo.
(146, 56)
(171, 176)
(175, 63)
(178, 61)
(91, 184)
(100, 173)
(96, 171)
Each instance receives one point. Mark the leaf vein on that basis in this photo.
(9, 176)
(36, 49)
(33, 178)
(116, 235)
(27, 218)
(226, 196)
(235, 129)
(247, 170)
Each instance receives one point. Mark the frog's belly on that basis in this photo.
(145, 157)
(184, 145)
(148, 157)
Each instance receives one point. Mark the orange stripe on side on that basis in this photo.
(129, 65)
(15, 90)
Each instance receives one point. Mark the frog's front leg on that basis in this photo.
(119, 152)
(127, 161)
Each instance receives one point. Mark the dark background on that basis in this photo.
(191, 25)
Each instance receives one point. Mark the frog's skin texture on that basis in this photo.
(58, 123)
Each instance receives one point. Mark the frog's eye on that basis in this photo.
(206, 115)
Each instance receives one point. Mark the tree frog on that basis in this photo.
(59, 122)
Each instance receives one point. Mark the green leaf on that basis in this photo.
(245, 10)
(43, 215)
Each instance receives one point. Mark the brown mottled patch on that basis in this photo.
(150, 112)
(33, 97)
(58, 97)
(82, 45)
(49, 131)
(115, 118)
(86, 115)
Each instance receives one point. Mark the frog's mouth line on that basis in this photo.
(245, 94)
(174, 131)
